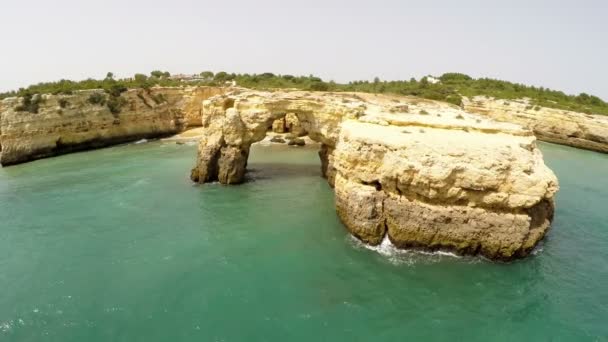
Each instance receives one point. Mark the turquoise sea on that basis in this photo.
(118, 245)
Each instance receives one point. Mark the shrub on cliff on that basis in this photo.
(97, 99)
(141, 81)
(454, 99)
(158, 98)
(319, 86)
(115, 104)
(115, 89)
(30, 103)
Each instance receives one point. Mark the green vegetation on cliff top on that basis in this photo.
(449, 87)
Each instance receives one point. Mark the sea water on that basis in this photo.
(118, 245)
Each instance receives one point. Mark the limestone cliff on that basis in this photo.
(548, 124)
(423, 173)
(66, 123)
(192, 102)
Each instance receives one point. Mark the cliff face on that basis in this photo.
(66, 123)
(423, 173)
(553, 125)
(192, 102)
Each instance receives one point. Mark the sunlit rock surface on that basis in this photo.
(67, 123)
(558, 126)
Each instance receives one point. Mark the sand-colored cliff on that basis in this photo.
(574, 129)
(423, 173)
(66, 123)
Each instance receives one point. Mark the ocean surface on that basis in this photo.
(118, 245)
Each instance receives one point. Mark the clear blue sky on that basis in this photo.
(558, 44)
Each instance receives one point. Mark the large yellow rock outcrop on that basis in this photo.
(423, 173)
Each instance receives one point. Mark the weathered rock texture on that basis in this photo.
(289, 124)
(66, 123)
(553, 125)
(192, 102)
(423, 173)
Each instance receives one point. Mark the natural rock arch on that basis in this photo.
(233, 125)
(422, 173)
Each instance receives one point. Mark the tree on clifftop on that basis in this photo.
(160, 74)
(207, 75)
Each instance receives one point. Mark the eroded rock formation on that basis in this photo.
(66, 123)
(558, 126)
(289, 124)
(423, 173)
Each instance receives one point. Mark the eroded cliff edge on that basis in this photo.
(580, 130)
(422, 173)
(67, 123)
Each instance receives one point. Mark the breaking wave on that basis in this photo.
(399, 256)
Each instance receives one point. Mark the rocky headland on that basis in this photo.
(580, 130)
(424, 174)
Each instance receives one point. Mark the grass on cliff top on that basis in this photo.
(450, 88)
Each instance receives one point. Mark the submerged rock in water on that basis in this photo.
(296, 142)
(434, 177)
(278, 140)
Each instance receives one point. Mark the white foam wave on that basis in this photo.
(404, 256)
(6, 326)
(539, 248)
(142, 141)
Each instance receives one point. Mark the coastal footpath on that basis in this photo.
(88, 119)
(580, 130)
(421, 173)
